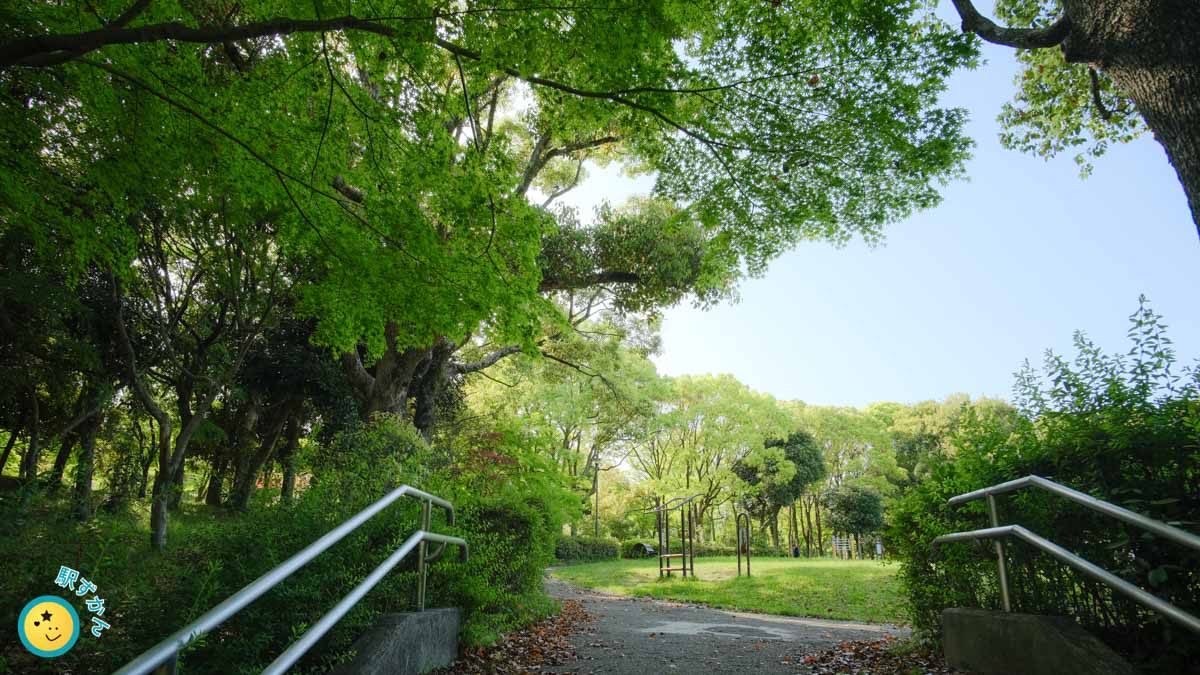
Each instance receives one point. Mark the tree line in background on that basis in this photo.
(629, 438)
(260, 262)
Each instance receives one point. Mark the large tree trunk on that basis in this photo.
(146, 460)
(176, 498)
(817, 519)
(430, 379)
(60, 461)
(85, 468)
(170, 464)
(773, 525)
(808, 528)
(385, 388)
(12, 440)
(287, 458)
(243, 487)
(30, 461)
(238, 453)
(795, 528)
(216, 480)
(1150, 50)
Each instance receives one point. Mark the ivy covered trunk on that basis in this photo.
(1151, 51)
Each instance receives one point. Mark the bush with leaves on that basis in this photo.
(855, 510)
(508, 509)
(586, 549)
(1125, 429)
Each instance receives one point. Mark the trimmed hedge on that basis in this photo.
(703, 549)
(586, 549)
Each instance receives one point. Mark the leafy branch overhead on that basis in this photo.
(1099, 72)
(378, 195)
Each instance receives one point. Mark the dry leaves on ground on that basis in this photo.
(535, 649)
(875, 658)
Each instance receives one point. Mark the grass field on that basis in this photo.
(858, 590)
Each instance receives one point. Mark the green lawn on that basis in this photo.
(858, 590)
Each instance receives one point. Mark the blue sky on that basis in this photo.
(1010, 264)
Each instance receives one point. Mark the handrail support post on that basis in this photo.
(422, 550)
(1000, 562)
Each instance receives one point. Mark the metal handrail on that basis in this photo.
(1079, 564)
(164, 653)
(1161, 529)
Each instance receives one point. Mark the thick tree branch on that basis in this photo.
(135, 381)
(535, 163)
(46, 50)
(487, 361)
(1021, 38)
(607, 277)
(1105, 113)
(566, 188)
(348, 191)
(130, 14)
(358, 376)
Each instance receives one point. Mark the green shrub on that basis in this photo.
(509, 512)
(586, 549)
(1124, 429)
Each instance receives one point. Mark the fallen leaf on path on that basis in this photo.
(532, 649)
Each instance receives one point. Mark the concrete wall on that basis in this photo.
(995, 643)
(407, 644)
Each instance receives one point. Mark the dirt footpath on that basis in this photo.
(639, 635)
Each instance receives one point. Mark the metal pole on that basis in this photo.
(1004, 598)
(658, 520)
(693, 516)
(421, 551)
(749, 546)
(737, 529)
(683, 542)
(596, 509)
(666, 516)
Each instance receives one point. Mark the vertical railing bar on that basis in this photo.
(422, 550)
(667, 546)
(310, 637)
(695, 524)
(1000, 562)
(683, 542)
(658, 520)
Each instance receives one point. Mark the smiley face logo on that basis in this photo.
(48, 626)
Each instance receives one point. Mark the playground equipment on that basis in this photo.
(687, 535)
(742, 523)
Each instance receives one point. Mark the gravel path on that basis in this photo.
(641, 635)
